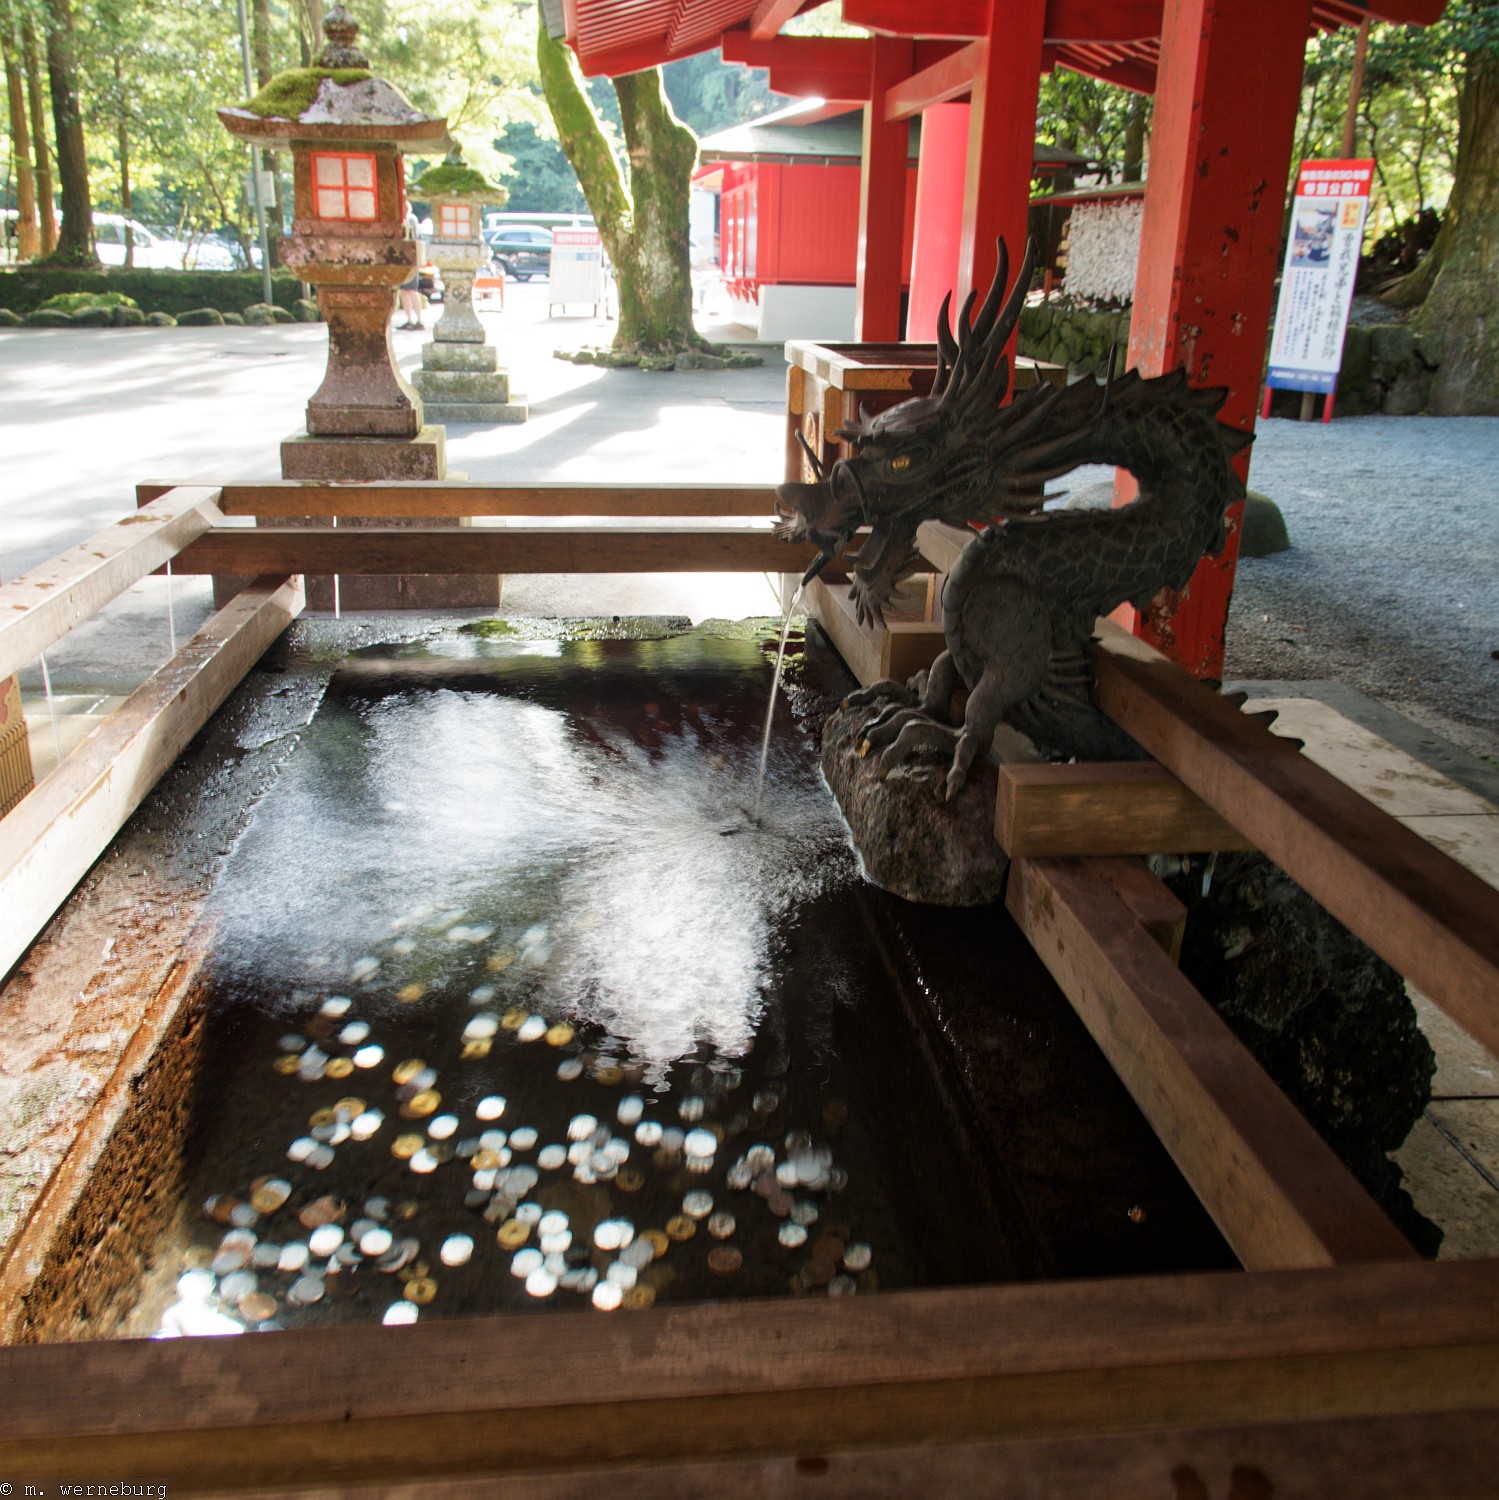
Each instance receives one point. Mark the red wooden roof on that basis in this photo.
(1113, 39)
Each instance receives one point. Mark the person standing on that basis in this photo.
(411, 296)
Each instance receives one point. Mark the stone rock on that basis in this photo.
(912, 842)
(129, 317)
(93, 317)
(232, 319)
(742, 361)
(161, 320)
(1264, 530)
(258, 314)
(305, 310)
(437, 356)
(688, 360)
(44, 318)
(581, 356)
(9, 319)
(203, 317)
(461, 385)
(657, 362)
(1327, 1019)
(625, 359)
(281, 315)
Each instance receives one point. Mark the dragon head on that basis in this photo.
(934, 457)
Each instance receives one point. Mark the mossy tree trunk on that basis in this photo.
(46, 210)
(28, 236)
(265, 70)
(1461, 303)
(75, 237)
(643, 222)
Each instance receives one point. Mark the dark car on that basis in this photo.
(521, 250)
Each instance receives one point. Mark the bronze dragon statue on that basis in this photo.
(1019, 606)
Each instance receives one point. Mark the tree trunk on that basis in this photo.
(644, 224)
(310, 30)
(46, 212)
(75, 240)
(122, 140)
(28, 236)
(1462, 306)
(1133, 167)
(265, 69)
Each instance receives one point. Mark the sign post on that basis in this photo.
(1316, 283)
(577, 273)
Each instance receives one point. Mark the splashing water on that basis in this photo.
(770, 708)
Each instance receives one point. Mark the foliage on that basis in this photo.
(1085, 115)
(291, 92)
(539, 177)
(70, 302)
(24, 288)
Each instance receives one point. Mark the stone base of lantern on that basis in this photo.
(363, 459)
(462, 382)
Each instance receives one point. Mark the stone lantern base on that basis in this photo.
(462, 382)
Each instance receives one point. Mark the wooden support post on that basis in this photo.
(1001, 142)
(898, 649)
(882, 200)
(1434, 920)
(1104, 807)
(1209, 250)
(51, 838)
(940, 184)
(1273, 1187)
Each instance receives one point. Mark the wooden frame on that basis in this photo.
(1369, 1371)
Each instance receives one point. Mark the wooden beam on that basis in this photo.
(945, 80)
(879, 269)
(952, 18)
(1104, 807)
(804, 54)
(770, 15)
(1148, 900)
(1273, 1187)
(898, 649)
(42, 606)
(1135, 76)
(1435, 921)
(397, 499)
(1103, 20)
(1061, 1361)
(478, 549)
(52, 836)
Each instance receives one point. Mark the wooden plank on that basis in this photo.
(49, 840)
(1434, 920)
(941, 544)
(509, 549)
(898, 649)
(1148, 900)
(573, 1390)
(948, 78)
(1274, 1189)
(1104, 807)
(42, 606)
(442, 499)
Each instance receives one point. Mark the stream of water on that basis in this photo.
(770, 708)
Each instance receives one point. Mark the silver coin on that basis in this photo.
(293, 1256)
(375, 1241)
(401, 1312)
(196, 1285)
(602, 1165)
(528, 1214)
(532, 1029)
(491, 1107)
(697, 1204)
(291, 1042)
(759, 1159)
(739, 1177)
(630, 1109)
(377, 1209)
(613, 1234)
(305, 1290)
(672, 1139)
(456, 1250)
(623, 1276)
(804, 1213)
(337, 1005)
(842, 1286)
(555, 1244)
(786, 1174)
(542, 1282)
(230, 1260)
(638, 1253)
(523, 1262)
(616, 1150)
(700, 1143)
(607, 1296)
(365, 967)
(569, 1069)
(369, 1057)
(550, 1158)
(325, 1239)
(858, 1256)
(492, 1140)
(791, 1235)
(440, 1127)
(553, 1222)
(422, 1162)
(345, 1258)
(691, 1108)
(301, 1148)
(265, 1256)
(523, 1138)
(362, 1127)
(482, 994)
(480, 1027)
(521, 1179)
(699, 1165)
(648, 1134)
(320, 1157)
(243, 1215)
(354, 1033)
(581, 1127)
(721, 1225)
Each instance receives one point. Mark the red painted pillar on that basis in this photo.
(940, 180)
(882, 199)
(1228, 85)
(1001, 141)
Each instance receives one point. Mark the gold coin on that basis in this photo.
(321, 1117)
(350, 1107)
(404, 1147)
(659, 1276)
(197, 1258)
(641, 1295)
(512, 1234)
(440, 1151)
(409, 994)
(408, 1208)
(478, 1047)
(679, 1227)
(559, 1035)
(610, 1073)
(513, 1020)
(656, 1240)
(286, 1063)
(421, 1290)
(484, 1160)
(818, 1272)
(257, 1307)
(220, 1208)
(404, 1072)
(339, 1067)
(628, 1180)
(724, 1260)
(268, 1194)
(326, 1210)
(416, 1271)
(422, 1104)
(1136, 1215)
(500, 961)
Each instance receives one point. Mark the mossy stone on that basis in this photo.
(205, 317)
(44, 318)
(235, 319)
(258, 314)
(305, 310)
(161, 320)
(1264, 529)
(291, 93)
(128, 317)
(8, 319)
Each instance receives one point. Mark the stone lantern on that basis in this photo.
(460, 378)
(347, 130)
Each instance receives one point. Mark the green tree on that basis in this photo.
(75, 238)
(642, 219)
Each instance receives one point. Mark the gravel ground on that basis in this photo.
(1392, 581)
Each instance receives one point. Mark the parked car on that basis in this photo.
(521, 250)
(152, 251)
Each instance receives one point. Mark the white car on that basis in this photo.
(152, 251)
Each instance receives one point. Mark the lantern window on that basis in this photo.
(343, 185)
(455, 220)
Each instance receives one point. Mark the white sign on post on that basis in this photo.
(1316, 283)
(577, 273)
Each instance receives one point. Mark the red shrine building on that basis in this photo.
(1226, 76)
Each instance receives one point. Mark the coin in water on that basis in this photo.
(700, 1143)
(409, 994)
(569, 1068)
(672, 1139)
(817, 1272)
(648, 1134)
(698, 1203)
(613, 1234)
(256, 1307)
(481, 1026)
(221, 1206)
(528, 1213)
(721, 1225)
(265, 1255)
(424, 1161)
(791, 1235)
(628, 1180)
(607, 1296)
(369, 1057)
(638, 1298)
(581, 1127)
(1136, 1215)
(354, 1033)
(291, 1042)
(804, 1214)
(339, 1067)
(362, 1127)
(724, 1260)
(491, 1107)
(324, 1210)
(267, 1194)
(419, 1105)
(630, 1109)
(512, 1234)
(542, 1282)
(691, 1108)
(657, 1241)
(293, 1257)
(375, 1241)
(377, 1208)
(337, 1005)
(638, 1253)
(513, 1020)
(195, 1286)
(440, 1127)
(481, 994)
(680, 1227)
(858, 1256)
(551, 1158)
(305, 1290)
(325, 1239)
(421, 1290)
(842, 1286)
(532, 1029)
(286, 1063)
(404, 1147)
(405, 1071)
(559, 1035)
(609, 1074)
(401, 1312)
(622, 1275)
(522, 1139)
(456, 1250)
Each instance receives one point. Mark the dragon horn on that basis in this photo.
(983, 325)
(963, 362)
(947, 346)
(812, 458)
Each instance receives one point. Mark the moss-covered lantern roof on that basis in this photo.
(454, 178)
